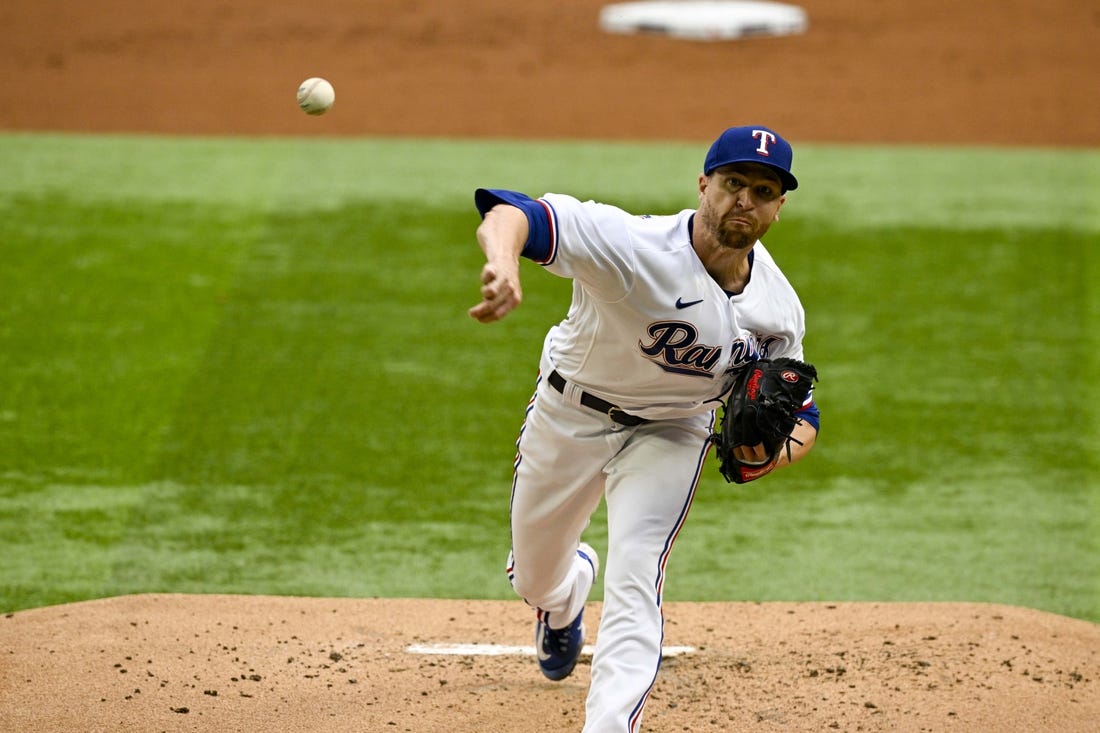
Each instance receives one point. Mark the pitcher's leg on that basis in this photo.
(558, 484)
(543, 565)
(650, 488)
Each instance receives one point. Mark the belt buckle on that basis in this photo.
(617, 415)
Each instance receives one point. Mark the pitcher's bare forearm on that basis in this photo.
(802, 441)
(501, 235)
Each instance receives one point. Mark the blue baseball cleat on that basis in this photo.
(559, 649)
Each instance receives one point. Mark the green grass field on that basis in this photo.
(244, 366)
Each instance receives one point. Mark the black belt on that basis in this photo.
(593, 402)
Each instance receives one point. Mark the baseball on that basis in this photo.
(315, 96)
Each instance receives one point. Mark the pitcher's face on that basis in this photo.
(738, 203)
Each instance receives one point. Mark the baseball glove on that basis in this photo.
(761, 411)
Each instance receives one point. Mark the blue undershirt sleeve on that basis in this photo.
(540, 239)
(810, 414)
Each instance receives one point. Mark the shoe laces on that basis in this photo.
(558, 639)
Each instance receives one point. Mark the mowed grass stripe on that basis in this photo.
(255, 378)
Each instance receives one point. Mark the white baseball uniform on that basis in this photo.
(651, 332)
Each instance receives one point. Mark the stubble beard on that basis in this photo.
(732, 239)
(729, 235)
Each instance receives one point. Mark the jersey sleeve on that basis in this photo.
(809, 412)
(541, 245)
(585, 241)
(786, 324)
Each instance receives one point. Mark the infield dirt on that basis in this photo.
(295, 665)
(988, 72)
(1003, 72)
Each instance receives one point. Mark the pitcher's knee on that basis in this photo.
(523, 583)
(529, 587)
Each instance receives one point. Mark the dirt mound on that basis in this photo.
(247, 663)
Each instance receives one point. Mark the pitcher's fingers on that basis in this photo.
(489, 311)
(482, 312)
(754, 454)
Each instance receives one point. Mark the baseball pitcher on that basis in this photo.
(677, 323)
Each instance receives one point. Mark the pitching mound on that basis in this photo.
(238, 663)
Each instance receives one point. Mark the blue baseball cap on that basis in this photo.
(753, 144)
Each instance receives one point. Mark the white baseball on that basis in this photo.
(315, 96)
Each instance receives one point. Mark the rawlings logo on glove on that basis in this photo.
(761, 411)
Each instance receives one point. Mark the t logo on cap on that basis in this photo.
(751, 144)
(766, 138)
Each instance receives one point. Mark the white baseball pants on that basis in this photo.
(568, 458)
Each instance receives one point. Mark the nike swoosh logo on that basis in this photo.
(543, 656)
(680, 304)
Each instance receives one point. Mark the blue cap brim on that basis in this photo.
(785, 177)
